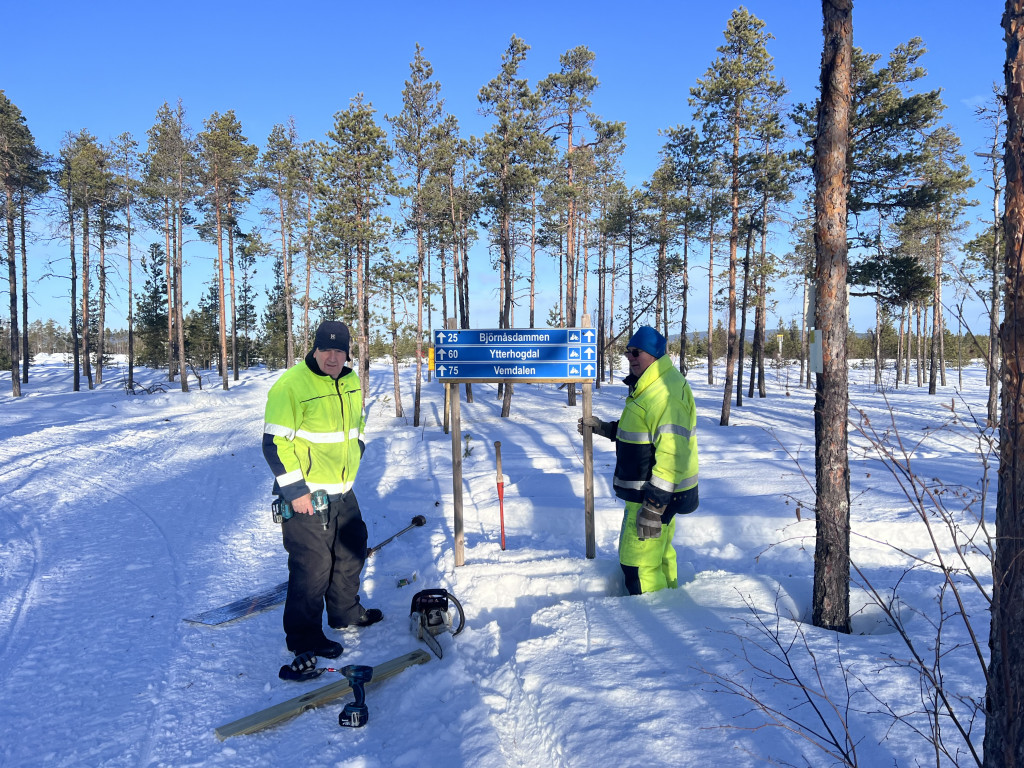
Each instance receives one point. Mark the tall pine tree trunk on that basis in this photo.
(24, 290)
(744, 300)
(221, 296)
(1004, 726)
(131, 296)
(711, 305)
(179, 282)
(76, 384)
(831, 592)
(169, 277)
(86, 361)
(734, 235)
(234, 308)
(12, 282)
(101, 314)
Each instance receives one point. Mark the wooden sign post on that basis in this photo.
(456, 428)
(548, 355)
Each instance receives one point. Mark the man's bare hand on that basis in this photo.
(303, 505)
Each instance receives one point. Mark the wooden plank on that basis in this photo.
(246, 606)
(316, 698)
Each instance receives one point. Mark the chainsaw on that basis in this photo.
(430, 616)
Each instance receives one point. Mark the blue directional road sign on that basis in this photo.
(520, 354)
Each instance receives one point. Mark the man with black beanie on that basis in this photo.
(313, 441)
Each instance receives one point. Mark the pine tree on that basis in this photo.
(170, 186)
(227, 161)
(356, 181)
(64, 178)
(107, 228)
(203, 336)
(831, 591)
(279, 166)
(413, 131)
(887, 124)
(152, 349)
(125, 158)
(774, 172)
(993, 115)
(1004, 727)
(33, 183)
(274, 340)
(512, 152)
(251, 249)
(18, 157)
(733, 99)
(88, 185)
(453, 170)
(947, 179)
(400, 282)
(690, 169)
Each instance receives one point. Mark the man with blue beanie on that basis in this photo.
(655, 461)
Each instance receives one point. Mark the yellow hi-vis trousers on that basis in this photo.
(653, 559)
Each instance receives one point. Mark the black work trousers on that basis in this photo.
(323, 569)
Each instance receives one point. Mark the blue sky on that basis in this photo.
(108, 66)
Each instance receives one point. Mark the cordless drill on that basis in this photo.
(282, 510)
(322, 507)
(355, 714)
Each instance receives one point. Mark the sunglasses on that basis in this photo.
(633, 352)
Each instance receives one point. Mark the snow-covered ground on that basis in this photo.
(122, 515)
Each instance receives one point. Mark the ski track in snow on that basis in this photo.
(123, 515)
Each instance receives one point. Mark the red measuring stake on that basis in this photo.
(501, 492)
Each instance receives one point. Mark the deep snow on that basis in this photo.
(122, 515)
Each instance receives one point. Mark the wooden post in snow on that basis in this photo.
(456, 429)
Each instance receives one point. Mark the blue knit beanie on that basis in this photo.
(649, 340)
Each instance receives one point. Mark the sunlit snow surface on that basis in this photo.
(122, 515)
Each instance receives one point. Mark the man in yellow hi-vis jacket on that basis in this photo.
(656, 462)
(313, 441)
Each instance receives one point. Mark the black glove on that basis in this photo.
(603, 428)
(648, 520)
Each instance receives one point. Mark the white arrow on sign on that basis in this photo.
(589, 336)
(440, 337)
(441, 369)
(590, 352)
(590, 371)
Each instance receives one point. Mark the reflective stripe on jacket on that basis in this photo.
(313, 430)
(656, 442)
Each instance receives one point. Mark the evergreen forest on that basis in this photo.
(375, 222)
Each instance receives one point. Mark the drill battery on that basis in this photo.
(281, 510)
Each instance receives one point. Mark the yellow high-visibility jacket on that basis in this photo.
(313, 430)
(656, 440)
